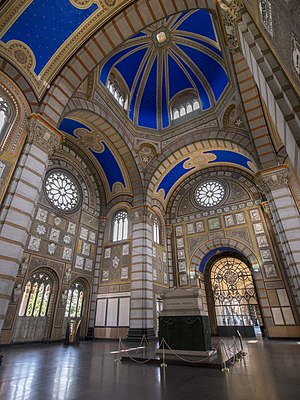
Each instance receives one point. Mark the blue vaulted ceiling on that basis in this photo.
(44, 26)
(189, 60)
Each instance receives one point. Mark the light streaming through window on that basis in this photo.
(36, 296)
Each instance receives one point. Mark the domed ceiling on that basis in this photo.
(177, 56)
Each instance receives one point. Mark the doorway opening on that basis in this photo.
(234, 298)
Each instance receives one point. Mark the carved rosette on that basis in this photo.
(275, 178)
(43, 136)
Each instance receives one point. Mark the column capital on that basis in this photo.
(273, 178)
(231, 12)
(43, 135)
(142, 213)
(169, 230)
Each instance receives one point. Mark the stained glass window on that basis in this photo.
(233, 291)
(210, 193)
(36, 296)
(62, 190)
(120, 226)
(75, 301)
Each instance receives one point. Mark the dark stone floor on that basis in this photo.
(270, 370)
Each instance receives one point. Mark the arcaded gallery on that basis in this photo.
(150, 199)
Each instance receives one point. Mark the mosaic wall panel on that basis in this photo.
(63, 239)
(116, 264)
(160, 267)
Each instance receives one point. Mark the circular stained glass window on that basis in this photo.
(62, 190)
(210, 193)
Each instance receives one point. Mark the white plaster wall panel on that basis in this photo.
(112, 312)
(100, 312)
(124, 310)
(288, 316)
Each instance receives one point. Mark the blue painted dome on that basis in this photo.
(178, 55)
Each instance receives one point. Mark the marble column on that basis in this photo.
(18, 208)
(286, 217)
(141, 303)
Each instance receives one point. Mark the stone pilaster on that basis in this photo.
(101, 229)
(18, 208)
(286, 218)
(141, 302)
(169, 230)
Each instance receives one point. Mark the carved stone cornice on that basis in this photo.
(273, 178)
(43, 135)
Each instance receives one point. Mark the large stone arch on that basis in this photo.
(119, 137)
(120, 27)
(204, 258)
(224, 243)
(192, 150)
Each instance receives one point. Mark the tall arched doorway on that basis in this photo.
(234, 305)
(76, 310)
(35, 314)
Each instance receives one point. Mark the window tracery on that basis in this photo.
(62, 190)
(75, 300)
(233, 291)
(36, 296)
(120, 226)
(210, 193)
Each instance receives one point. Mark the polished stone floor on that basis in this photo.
(270, 370)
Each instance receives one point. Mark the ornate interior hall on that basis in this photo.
(149, 153)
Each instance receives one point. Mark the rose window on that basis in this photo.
(62, 191)
(210, 193)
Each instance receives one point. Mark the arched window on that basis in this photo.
(75, 300)
(266, 15)
(156, 230)
(184, 105)
(234, 293)
(4, 116)
(120, 226)
(115, 89)
(36, 296)
(175, 113)
(196, 105)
